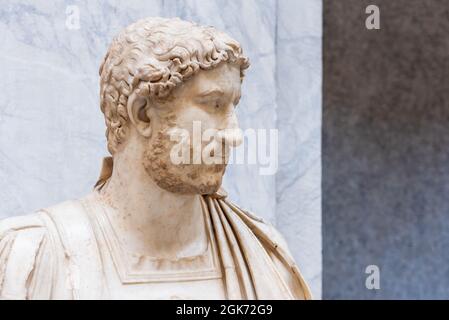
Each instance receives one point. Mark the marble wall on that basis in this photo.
(52, 131)
(298, 181)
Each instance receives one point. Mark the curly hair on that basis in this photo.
(153, 56)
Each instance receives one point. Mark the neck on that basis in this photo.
(150, 220)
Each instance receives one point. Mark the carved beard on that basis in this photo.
(179, 178)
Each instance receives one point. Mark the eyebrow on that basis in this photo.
(212, 92)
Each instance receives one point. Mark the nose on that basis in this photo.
(231, 135)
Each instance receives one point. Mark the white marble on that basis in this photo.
(298, 182)
(52, 154)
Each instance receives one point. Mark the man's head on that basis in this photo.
(161, 77)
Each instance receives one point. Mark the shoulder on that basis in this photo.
(30, 249)
(262, 228)
(23, 241)
(31, 229)
(28, 230)
(277, 248)
(34, 249)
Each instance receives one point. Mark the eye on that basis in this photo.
(209, 102)
(214, 104)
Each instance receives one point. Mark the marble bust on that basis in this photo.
(152, 228)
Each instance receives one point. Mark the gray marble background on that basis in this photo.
(386, 150)
(52, 131)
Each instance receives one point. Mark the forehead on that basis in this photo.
(225, 77)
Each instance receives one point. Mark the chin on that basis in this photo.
(198, 182)
(207, 188)
(212, 185)
(190, 187)
(207, 183)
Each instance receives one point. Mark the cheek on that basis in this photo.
(196, 120)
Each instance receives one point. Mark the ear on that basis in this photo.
(137, 111)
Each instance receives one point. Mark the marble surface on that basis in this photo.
(52, 131)
(298, 181)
